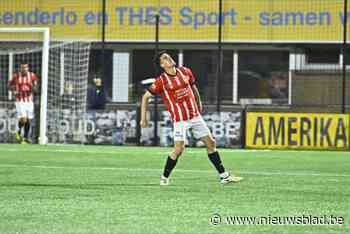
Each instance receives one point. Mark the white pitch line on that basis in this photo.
(67, 151)
(52, 150)
(181, 170)
(165, 150)
(114, 152)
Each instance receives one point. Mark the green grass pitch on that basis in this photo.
(106, 189)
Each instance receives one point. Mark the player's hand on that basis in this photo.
(13, 93)
(200, 107)
(144, 123)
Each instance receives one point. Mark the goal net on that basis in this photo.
(62, 69)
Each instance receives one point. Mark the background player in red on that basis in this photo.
(177, 86)
(24, 84)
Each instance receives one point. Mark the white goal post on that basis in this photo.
(44, 74)
(63, 68)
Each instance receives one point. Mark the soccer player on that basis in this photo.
(24, 84)
(177, 86)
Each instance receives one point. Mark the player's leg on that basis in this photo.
(20, 117)
(172, 161)
(19, 129)
(215, 159)
(26, 130)
(179, 147)
(213, 154)
(24, 123)
(20, 125)
(29, 115)
(201, 131)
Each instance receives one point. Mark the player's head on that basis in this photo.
(164, 60)
(24, 68)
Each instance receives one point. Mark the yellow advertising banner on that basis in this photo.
(181, 20)
(298, 131)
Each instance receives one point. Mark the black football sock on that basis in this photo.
(216, 161)
(26, 129)
(169, 166)
(20, 125)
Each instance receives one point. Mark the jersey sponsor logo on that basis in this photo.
(182, 94)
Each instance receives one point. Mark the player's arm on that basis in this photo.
(144, 107)
(35, 87)
(35, 84)
(194, 88)
(12, 84)
(154, 89)
(198, 98)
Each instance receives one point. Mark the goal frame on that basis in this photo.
(44, 74)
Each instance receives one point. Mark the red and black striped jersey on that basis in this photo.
(23, 84)
(177, 94)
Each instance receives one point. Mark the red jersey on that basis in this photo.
(177, 94)
(23, 86)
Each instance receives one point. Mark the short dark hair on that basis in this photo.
(156, 59)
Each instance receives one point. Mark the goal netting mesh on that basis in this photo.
(67, 91)
(67, 85)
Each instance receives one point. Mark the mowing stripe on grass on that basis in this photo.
(262, 173)
(93, 149)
